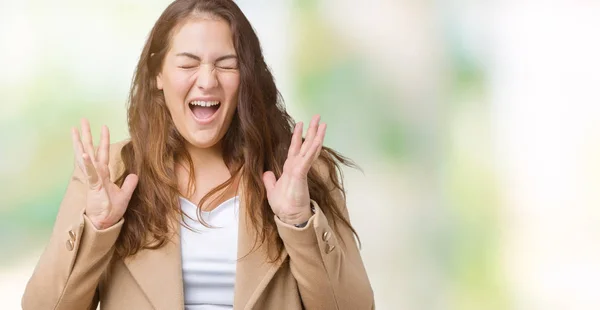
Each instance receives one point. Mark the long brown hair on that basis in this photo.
(256, 141)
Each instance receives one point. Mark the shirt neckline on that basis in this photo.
(189, 203)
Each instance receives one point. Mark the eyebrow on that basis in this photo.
(190, 55)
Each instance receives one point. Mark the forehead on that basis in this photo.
(203, 34)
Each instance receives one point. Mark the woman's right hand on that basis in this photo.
(106, 202)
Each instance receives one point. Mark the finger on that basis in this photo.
(319, 140)
(104, 147)
(129, 185)
(269, 180)
(77, 148)
(86, 137)
(310, 135)
(296, 140)
(315, 149)
(93, 180)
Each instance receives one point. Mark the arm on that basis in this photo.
(327, 266)
(70, 267)
(87, 226)
(326, 263)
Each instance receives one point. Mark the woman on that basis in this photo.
(216, 202)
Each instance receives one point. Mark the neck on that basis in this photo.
(205, 159)
(209, 171)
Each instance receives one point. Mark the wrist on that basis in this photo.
(100, 224)
(299, 219)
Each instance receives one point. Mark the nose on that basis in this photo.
(207, 77)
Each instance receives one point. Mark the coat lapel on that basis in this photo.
(158, 272)
(253, 272)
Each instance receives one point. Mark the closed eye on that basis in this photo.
(226, 67)
(228, 63)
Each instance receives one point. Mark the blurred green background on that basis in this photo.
(477, 125)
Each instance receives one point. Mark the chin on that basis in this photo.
(203, 140)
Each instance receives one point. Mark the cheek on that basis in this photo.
(178, 84)
(175, 90)
(231, 85)
(182, 83)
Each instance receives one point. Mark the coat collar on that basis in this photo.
(158, 272)
(253, 270)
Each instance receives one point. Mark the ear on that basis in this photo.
(159, 83)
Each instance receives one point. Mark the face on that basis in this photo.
(200, 80)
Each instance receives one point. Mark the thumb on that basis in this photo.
(269, 180)
(129, 185)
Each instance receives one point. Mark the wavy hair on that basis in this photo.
(256, 141)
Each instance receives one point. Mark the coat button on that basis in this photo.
(329, 248)
(70, 245)
(326, 236)
(72, 235)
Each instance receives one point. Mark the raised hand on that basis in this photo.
(106, 202)
(289, 197)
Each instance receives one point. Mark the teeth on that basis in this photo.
(204, 103)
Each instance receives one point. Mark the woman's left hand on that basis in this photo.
(288, 197)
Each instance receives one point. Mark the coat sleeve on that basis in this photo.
(68, 272)
(330, 273)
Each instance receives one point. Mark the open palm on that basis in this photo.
(106, 202)
(288, 196)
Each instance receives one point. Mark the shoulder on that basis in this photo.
(326, 170)
(322, 168)
(115, 148)
(115, 163)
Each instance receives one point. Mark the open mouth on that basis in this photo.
(204, 110)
